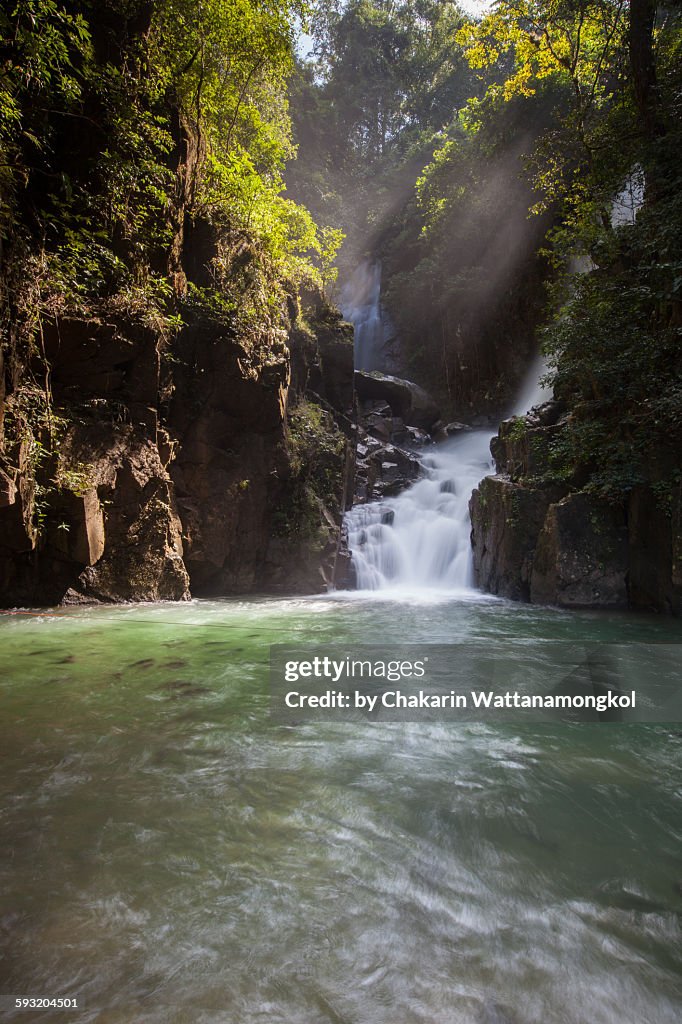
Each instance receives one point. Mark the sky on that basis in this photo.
(474, 6)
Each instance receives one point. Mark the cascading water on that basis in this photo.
(420, 539)
(361, 306)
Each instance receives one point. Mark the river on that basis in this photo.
(171, 854)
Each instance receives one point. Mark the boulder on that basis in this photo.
(412, 437)
(379, 427)
(383, 469)
(405, 398)
(451, 430)
(506, 521)
(581, 560)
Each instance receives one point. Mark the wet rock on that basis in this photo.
(406, 399)
(410, 437)
(444, 432)
(383, 469)
(582, 555)
(378, 427)
(393, 465)
(506, 523)
(390, 488)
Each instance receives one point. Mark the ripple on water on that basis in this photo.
(186, 860)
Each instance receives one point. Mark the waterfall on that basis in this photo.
(361, 306)
(420, 538)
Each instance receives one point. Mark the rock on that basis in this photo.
(335, 348)
(545, 415)
(412, 437)
(17, 528)
(655, 551)
(378, 427)
(405, 398)
(378, 407)
(395, 461)
(171, 466)
(522, 451)
(8, 489)
(76, 527)
(506, 522)
(389, 488)
(383, 469)
(533, 540)
(581, 559)
(368, 447)
(136, 552)
(443, 432)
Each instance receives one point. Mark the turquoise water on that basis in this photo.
(171, 854)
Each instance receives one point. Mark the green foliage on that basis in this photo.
(619, 368)
(314, 442)
(385, 79)
(399, 143)
(118, 122)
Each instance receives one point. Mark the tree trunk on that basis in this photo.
(643, 65)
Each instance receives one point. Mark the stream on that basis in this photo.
(172, 854)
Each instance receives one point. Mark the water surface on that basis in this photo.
(169, 854)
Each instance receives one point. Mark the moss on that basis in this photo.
(316, 449)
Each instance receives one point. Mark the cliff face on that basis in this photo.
(159, 374)
(136, 465)
(547, 543)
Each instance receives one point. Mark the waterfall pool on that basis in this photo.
(172, 855)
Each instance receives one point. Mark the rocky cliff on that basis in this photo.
(541, 539)
(138, 463)
(170, 403)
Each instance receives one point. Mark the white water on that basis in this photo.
(420, 538)
(361, 306)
